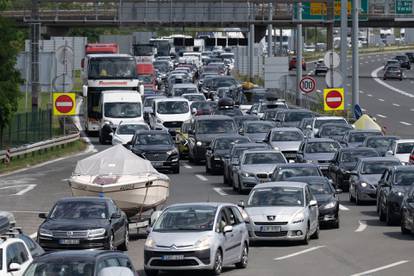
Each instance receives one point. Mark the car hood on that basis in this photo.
(116, 121)
(282, 213)
(354, 144)
(291, 124)
(74, 225)
(207, 137)
(256, 137)
(260, 168)
(124, 138)
(324, 198)
(143, 148)
(174, 117)
(371, 178)
(347, 165)
(179, 238)
(319, 156)
(286, 146)
(221, 152)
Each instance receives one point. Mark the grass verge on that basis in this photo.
(38, 157)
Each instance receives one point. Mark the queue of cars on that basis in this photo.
(394, 68)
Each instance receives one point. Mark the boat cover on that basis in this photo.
(116, 160)
(366, 123)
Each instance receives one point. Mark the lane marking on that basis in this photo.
(381, 100)
(361, 92)
(28, 188)
(187, 166)
(201, 177)
(374, 75)
(343, 208)
(381, 116)
(381, 268)
(369, 95)
(394, 104)
(412, 109)
(405, 123)
(362, 226)
(299, 253)
(220, 191)
(319, 91)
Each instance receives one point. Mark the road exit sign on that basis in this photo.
(318, 11)
(403, 6)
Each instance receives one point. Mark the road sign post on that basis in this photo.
(307, 84)
(333, 99)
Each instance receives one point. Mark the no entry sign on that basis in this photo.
(333, 99)
(64, 104)
(307, 84)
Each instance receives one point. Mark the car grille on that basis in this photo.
(262, 175)
(174, 263)
(271, 234)
(271, 223)
(154, 156)
(70, 234)
(173, 124)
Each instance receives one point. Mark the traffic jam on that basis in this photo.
(156, 114)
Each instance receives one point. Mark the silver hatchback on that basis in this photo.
(197, 236)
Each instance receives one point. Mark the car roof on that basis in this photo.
(313, 140)
(258, 122)
(405, 141)
(269, 150)
(132, 123)
(380, 158)
(288, 184)
(171, 99)
(364, 131)
(77, 254)
(297, 165)
(184, 85)
(211, 204)
(382, 137)
(305, 178)
(212, 117)
(286, 129)
(404, 168)
(83, 198)
(152, 131)
(357, 149)
(336, 124)
(329, 118)
(230, 135)
(241, 145)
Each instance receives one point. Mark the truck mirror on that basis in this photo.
(84, 91)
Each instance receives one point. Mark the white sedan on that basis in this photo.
(126, 130)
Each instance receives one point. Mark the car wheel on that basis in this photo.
(316, 234)
(151, 272)
(357, 200)
(244, 259)
(124, 245)
(388, 217)
(381, 214)
(336, 223)
(305, 240)
(404, 229)
(110, 245)
(176, 170)
(218, 263)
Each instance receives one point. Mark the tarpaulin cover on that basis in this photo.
(366, 123)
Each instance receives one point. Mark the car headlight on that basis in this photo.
(364, 185)
(171, 152)
(276, 148)
(199, 143)
(400, 194)
(329, 205)
(203, 243)
(311, 161)
(45, 233)
(107, 122)
(298, 218)
(96, 232)
(247, 174)
(217, 158)
(150, 243)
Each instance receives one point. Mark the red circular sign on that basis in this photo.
(333, 99)
(64, 104)
(307, 84)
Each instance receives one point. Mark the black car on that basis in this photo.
(326, 196)
(256, 130)
(158, 147)
(203, 130)
(404, 61)
(344, 162)
(292, 117)
(407, 212)
(410, 57)
(393, 72)
(240, 119)
(84, 223)
(333, 131)
(231, 112)
(201, 108)
(219, 149)
(284, 171)
(394, 184)
(381, 144)
(78, 262)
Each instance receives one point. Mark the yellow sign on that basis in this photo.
(333, 99)
(320, 9)
(64, 104)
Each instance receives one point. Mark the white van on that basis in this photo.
(169, 113)
(117, 106)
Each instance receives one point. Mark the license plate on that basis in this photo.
(157, 164)
(263, 180)
(173, 257)
(270, 228)
(290, 155)
(71, 241)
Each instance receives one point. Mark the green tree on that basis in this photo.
(10, 42)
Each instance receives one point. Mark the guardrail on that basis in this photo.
(13, 152)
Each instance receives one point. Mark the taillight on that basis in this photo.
(412, 158)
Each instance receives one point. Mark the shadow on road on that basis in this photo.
(399, 236)
(374, 222)
(369, 213)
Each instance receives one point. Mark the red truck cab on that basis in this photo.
(146, 74)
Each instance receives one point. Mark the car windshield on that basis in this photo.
(287, 136)
(297, 116)
(263, 158)
(184, 90)
(194, 97)
(79, 210)
(229, 112)
(286, 173)
(153, 139)
(173, 107)
(225, 144)
(130, 129)
(145, 78)
(112, 68)
(122, 110)
(334, 130)
(61, 267)
(393, 69)
(381, 142)
(320, 187)
(377, 167)
(319, 123)
(404, 178)
(359, 137)
(353, 156)
(161, 66)
(270, 115)
(276, 196)
(258, 127)
(186, 218)
(404, 148)
(215, 126)
(248, 98)
(322, 147)
(265, 107)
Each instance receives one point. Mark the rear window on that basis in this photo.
(405, 148)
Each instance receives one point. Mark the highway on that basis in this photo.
(361, 244)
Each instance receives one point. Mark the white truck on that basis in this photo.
(116, 106)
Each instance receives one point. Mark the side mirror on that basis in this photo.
(227, 229)
(389, 153)
(14, 267)
(194, 111)
(116, 215)
(84, 91)
(308, 127)
(154, 216)
(338, 191)
(241, 204)
(43, 215)
(313, 203)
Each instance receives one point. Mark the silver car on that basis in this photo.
(197, 236)
(256, 166)
(282, 211)
(285, 139)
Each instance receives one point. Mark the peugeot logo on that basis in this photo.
(69, 233)
(271, 217)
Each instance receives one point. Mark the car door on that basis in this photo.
(209, 154)
(299, 154)
(313, 210)
(333, 168)
(17, 253)
(235, 237)
(117, 223)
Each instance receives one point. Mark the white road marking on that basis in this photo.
(220, 191)
(374, 74)
(201, 177)
(381, 116)
(187, 166)
(362, 226)
(363, 109)
(348, 84)
(405, 123)
(381, 100)
(299, 253)
(369, 95)
(28, 188)
(412, 109)
(381, 268)
(394, 104)
(361, 92)
(343, 208)
(319, 91)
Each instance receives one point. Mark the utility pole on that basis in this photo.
(344, 47)
(355, 53)
(299, 45)
(251, 52)
(330, 6)
(270, 32)
(34, 52)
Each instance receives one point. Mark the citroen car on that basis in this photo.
(197, 236)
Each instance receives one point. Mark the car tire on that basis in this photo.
(124, 244)
(110, 244)
(336, 223)
(244, 258)
(404, 229)
(357, 200)
(176, 170)
(388, 217)
(315, 235)
(305, 240)
(151, 272)
(218, 263)
(381, 214)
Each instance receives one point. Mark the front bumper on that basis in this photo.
(367, 194)
(165, 164)
(189, 260)
(288, 231)
(217, 164)
(250, 181)
(328, 215)
(54, 244)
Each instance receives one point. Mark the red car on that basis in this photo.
(292, 63)
(411, 160)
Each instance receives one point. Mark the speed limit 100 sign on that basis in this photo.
(307, 84)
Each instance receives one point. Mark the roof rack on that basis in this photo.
(11, 233)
